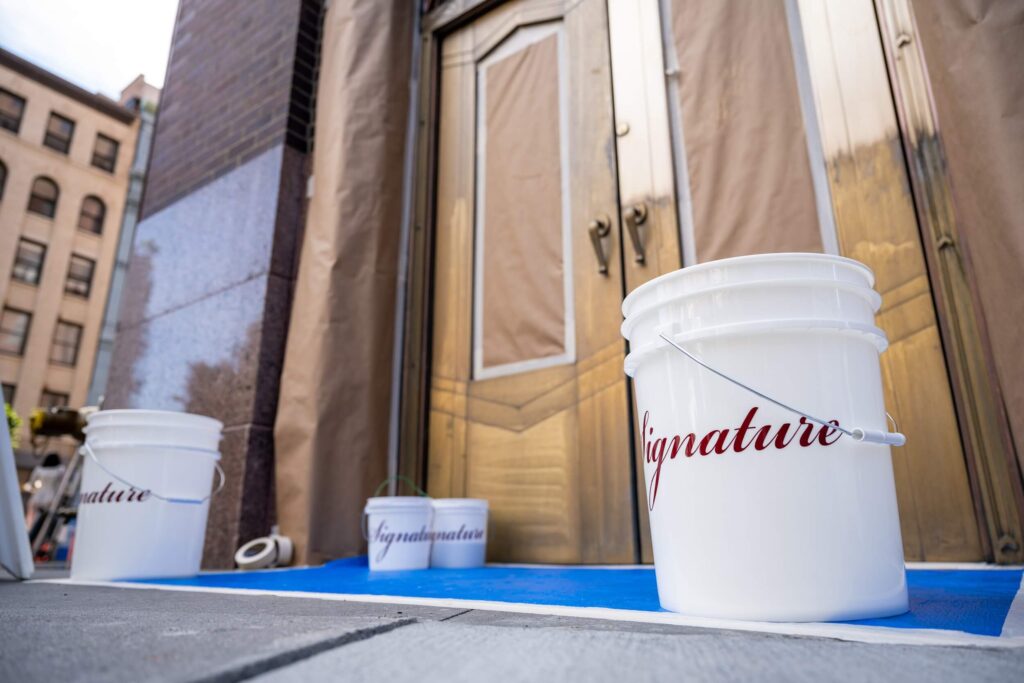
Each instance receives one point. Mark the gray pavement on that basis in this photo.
(51, 632)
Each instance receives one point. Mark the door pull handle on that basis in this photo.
(634, 217)
(599, 229)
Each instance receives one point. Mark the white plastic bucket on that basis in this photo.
(460, 533)
(398, 532)
(145, 493)
(751, 520)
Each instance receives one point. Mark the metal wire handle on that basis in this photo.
(87, 449)
(857, 434)
(400, 478)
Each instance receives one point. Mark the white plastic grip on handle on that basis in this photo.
(878, 436)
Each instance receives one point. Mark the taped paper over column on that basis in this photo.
(331, 431)
(750, 177)
(974, 53)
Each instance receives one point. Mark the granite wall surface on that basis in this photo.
(204, 321)
(208, 293)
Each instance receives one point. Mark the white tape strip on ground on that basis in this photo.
(1013, 625)
(848, 632)
(974, 566)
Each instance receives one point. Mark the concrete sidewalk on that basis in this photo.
(53, 632)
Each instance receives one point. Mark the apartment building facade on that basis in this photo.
(65, 162)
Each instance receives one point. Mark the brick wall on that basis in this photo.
(240, 80)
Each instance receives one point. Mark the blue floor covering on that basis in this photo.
(969, 600)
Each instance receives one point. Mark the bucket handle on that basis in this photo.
(857, 434)
(400, 478)
(87, 449)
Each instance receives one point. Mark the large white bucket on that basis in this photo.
(145, 494)
(397, 529)
(460, 533)
(750, 518)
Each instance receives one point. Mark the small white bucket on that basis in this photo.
(145, 494)
(460, 533)
(756, 512)
(397, 529)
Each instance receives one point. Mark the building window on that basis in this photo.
(11, 109)
(79, 280)
(52, 399)
(91, 217)
(44, 197)
(66, 339)
(28, 262)
(59, 130)
(104, 154)
(14, 330)
(8, 393)
(3, 178)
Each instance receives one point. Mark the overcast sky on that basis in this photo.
(99, 45)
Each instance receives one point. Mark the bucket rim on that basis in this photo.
(475, 504)
(135, 446)
(873, 298)
(871, 333)
(158, 415)
(646, 287)
(382, 503)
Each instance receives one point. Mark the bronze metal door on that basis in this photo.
(876, 224)
(528, 404)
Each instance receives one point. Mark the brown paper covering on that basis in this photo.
(331, 433)
(974, 53)
(524, 302)
(750, 178)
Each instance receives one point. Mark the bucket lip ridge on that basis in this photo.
(775, 256)
(480, 504)
(158, 415)
(629, 324)
(102, 447)
(873, 333)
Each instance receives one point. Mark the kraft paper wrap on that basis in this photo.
(746, 151)
(974, 53)
(332, 421)
(524, 303)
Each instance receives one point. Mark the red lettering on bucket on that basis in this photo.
(718, 441)
(108, 495)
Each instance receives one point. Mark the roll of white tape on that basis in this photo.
(269, 551)
(258, 553)
(284, 550)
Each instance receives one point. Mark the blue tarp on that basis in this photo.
(969, 600)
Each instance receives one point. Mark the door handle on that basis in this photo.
(599, 229)
(634, 217)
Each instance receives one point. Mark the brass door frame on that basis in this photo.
(994, 471)
(415, 382)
